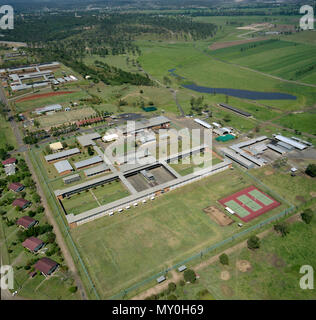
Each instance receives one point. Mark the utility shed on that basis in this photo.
(161, 279)
(182, 268)
(147, 175)
(71, 179)
(56, 146)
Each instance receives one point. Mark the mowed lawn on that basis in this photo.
(79, 203)
(124, 249)
(92, 198)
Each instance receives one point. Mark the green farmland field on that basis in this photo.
(199, 67)
(289, 60)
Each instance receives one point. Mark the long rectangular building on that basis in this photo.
(295, 144)
(155, 123)
(243, 113)
(61, 155)
(203, 123)
(88, 162)
(96, 170)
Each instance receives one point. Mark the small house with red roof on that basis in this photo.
(22, 203)
(26, 222)
(46, 266)
(33, 244)
(16, 186)
(8, 162)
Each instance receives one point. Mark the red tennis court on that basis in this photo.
(249, 203)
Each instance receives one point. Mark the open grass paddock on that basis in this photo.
(124, 249)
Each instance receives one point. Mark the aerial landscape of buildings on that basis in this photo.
(158, 151)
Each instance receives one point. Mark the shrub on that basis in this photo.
(307, 216)
(223, 258)
(172, 297)
(182, 283)
(311, 170)
(253, 242)
(189, 275)
(172, 286)
(73, 289)
(282, 228)
(31, 213)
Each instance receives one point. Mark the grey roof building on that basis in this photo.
(243, 113)
(96, 170)
(87, 139)
(72, 178)
(62, 154)
(88, 162)
(53, 107)
(293, 143)
(144, 124)
(63, 166)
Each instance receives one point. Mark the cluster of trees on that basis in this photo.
(65, 128)
(197, 105)
(32, 137)
(4, 152)
(311, 170)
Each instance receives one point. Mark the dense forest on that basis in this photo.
(68, 38)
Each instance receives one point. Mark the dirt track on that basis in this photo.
(222, 45)
(43, 95)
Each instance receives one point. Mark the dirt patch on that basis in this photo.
(300, 198)
(275, 260)
(313, 194)
(218, 216)
(43, 95)
(227, 290)
(225, 275)
(222, 45)
(268, 172)
(256, 26)
(243, 265)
